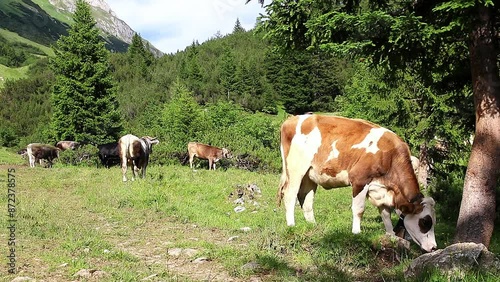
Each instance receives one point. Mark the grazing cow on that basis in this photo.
(23, 153)
(207, 152)
(337, 152)
(67, 145)
(37, 152)
(109, 154)
(135, 151)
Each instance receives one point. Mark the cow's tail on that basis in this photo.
(283, 183)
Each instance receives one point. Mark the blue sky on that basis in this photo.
(172, 25)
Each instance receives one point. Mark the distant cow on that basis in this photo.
(37, 152)
(23, 153)
(109, 154)
(207, 152)
(67, 145)
(135, 151)
(337, 152)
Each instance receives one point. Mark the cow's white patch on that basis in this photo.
(334, 153)
(302, 150)
(379, 195)
(427, 240)
(145, 147)
(371, 140)
(328, 181)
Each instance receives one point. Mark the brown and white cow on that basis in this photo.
(67, 145)
(135, 151)
(207, 152)
(337, 152)
(37, 152)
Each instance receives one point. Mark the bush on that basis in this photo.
(86, 155)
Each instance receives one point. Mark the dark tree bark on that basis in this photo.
(477, 210)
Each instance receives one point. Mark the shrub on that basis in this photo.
(86, 155)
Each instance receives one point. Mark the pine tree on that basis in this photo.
(83, 97)
(237, 27)
(137, 49)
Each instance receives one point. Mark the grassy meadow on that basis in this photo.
(180, 225)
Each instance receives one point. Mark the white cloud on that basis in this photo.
(172, 25)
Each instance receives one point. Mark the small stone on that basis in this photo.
(251, 266)
(239, 209)
(245, 229)
(201, 260)
(106, 251)
(22, 279)
(149, 277)
(175, 252)
(232, 238)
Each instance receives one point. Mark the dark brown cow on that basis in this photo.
(337, 152)
(135, 151)
(67, 145)
(207, 152)
(37, 152)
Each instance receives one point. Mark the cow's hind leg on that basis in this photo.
(124, 168)
(291, 190)
(306, 198)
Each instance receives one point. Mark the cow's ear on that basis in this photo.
(411, 208)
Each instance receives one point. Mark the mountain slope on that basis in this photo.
(43, 21)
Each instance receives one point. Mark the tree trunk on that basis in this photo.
(423, 168)
(477, 210)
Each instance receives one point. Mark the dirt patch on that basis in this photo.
(175, 247)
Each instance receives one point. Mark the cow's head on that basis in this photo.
(226, 153)
(420, 225)
(150, 141)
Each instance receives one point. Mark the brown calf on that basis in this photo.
(207, 152)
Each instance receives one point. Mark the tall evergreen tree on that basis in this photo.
(137, 49)
(83, 97)
(237, 27)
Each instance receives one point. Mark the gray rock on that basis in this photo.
(239, 209)
(90, 273)
(455, 258)
(175, 252)
(251, 266)
(201, 260)
(22, 279)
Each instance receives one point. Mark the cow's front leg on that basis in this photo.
(210, 163)
(135, 170)
(358, 206)
(385, 214)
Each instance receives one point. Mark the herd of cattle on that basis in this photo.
(316, 150)
(130, 151)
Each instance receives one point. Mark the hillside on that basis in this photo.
(39, 23)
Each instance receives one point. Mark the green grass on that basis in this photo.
(14, 37)
(7, 73)
(50, 9)
(9, 157)
(70, 218)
